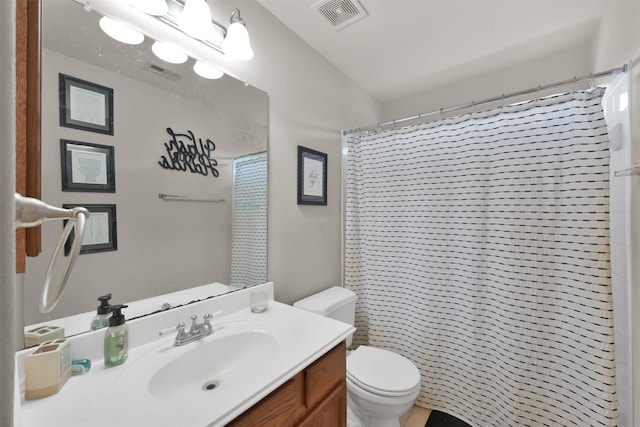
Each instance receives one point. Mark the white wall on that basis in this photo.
(310, 103)
(8, 311)
(550, 68)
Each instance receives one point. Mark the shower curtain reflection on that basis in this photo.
(249, 230)
(479, 249)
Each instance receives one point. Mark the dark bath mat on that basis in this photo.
(440, 419)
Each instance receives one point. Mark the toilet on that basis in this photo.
(381, 385)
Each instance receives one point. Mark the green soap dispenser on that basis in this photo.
(103, 312)
(116, 339)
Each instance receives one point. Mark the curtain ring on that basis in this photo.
(591, 84)
(575, 79)
(442, 114)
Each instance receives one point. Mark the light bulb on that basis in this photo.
(207, 71)
(169, 53)
(195, 20)
(237, 45)
(120, 32)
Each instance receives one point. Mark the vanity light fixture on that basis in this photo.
(236, 44)
(151, 7)
(193, 17)
(195, 20)
(177, 31)
(120, 32)
(207, 71)
(169, 53)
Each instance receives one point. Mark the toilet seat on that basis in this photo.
(382, 372)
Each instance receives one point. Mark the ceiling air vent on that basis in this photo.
(158, 69)
(341, 13)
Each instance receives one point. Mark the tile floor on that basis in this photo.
(416, 417)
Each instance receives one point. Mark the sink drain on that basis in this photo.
(210, 385)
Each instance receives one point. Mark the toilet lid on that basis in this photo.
(381, 371)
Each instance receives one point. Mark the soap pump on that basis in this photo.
(103, 312)
(116, 345)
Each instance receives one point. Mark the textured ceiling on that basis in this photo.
(404, 46)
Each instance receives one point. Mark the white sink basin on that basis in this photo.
(215, 365)
(212, 365)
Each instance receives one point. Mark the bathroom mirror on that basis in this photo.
(158, 245)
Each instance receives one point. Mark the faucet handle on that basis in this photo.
(209, 316)
(179, 327)
(208, 328)
(194, 323)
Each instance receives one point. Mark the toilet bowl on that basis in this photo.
(381, 385)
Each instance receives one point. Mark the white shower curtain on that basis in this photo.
(479, 248)
(249, 229)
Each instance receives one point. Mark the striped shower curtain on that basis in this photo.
(479, 249)
(249, 229)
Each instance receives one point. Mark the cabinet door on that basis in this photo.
(326, 373)
(282, 408)
(331, 412)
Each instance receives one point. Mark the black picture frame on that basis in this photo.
(87, 167)
(312, 177)
(100, 229)
(85, 105)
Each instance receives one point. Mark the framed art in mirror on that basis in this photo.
(100, 234)
(312, 177)
(87, 167)
(85, 105)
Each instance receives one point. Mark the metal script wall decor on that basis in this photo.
(185, 153)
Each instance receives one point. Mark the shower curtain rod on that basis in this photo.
(442, 111)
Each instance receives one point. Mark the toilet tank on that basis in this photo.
(337, 303)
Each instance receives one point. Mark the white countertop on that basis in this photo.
(117, 395)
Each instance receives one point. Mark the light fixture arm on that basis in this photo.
(235, 17)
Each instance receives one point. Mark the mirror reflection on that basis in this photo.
(189, 171)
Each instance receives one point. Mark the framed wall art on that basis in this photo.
(100, 234)
(85, 105)
(87, 167)
(312, 177)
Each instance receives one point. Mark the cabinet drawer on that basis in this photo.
(325, 374)
(283, 407)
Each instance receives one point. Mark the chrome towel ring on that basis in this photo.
(31, 212)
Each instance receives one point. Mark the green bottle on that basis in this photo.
(116, 339)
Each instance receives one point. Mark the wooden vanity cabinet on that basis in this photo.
(314, 397)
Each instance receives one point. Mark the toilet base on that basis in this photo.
(357, 419)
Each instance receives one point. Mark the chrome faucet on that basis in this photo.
(196, 331)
